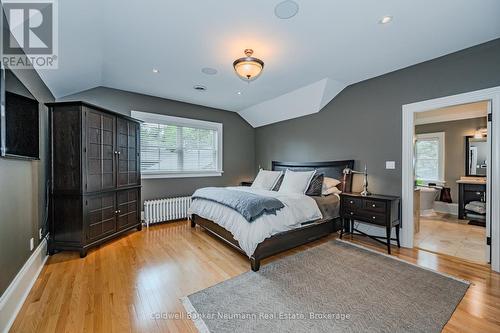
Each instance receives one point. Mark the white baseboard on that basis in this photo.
(13, 298)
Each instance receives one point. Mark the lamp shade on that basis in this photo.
(248, 68)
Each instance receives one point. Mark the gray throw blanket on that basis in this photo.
(249, 205)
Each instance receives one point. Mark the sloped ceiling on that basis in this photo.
(300, 102)
(308, 58)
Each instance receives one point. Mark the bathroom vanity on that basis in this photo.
(470, 189)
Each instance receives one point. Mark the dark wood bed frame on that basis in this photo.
(288, 239)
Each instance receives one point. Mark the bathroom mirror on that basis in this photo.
(476, 152)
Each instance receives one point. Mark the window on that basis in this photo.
(429, 157)
(174, 147)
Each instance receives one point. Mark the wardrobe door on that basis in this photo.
(128, 208)
(100, 132)
(66, 127)
(128, 153)
(100, 215)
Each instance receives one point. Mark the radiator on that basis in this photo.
(168, 209)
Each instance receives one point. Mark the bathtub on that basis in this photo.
(427, 197)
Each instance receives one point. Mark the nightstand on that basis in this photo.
(380, 210)
(249, 183)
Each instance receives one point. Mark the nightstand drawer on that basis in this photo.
(352, 203)
(375, 218)
(374, 206)
(365, 216)
(349, 213)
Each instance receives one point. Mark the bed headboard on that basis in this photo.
(331, 169)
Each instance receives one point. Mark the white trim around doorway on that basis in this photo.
(493, 96)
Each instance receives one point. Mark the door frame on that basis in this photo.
(493, 185)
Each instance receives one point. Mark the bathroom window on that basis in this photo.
(429, 157)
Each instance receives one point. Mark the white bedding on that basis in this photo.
(299, 208)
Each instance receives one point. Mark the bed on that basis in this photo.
(306, 232)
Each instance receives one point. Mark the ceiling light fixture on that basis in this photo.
(286, 9)
(239, 92)
(248, 68)
(385, 20)
(156, 71)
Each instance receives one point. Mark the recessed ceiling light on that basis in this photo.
(239, 92)
(385, 20)
(209, 70)
(199, 87)
(286, 9)
(155, 70)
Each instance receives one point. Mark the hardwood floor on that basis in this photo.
(446, 234)
(130, 283)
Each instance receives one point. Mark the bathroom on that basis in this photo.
(451, 159)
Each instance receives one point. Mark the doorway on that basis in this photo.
(492, 193)
(451, 158)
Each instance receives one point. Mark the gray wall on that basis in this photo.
(22, 194)
(238, 140)
(364, 122)
(455, 132)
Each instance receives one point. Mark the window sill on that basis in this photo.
(181, 175)
(437, 182)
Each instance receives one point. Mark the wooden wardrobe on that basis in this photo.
(95, 181)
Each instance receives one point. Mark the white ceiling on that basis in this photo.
(117, 43)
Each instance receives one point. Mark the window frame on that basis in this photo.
(441, 155)
(156, 118)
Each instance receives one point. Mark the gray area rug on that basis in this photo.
(334, 287)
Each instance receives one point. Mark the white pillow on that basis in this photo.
(266, 180)
(296, 181)
(330, 186)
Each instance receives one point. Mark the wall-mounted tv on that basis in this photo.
(19, 122)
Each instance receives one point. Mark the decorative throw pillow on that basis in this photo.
(330, 186)
(296, 181)
(331, 190)
(316, 186)
(266, 180)
(278, 183)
